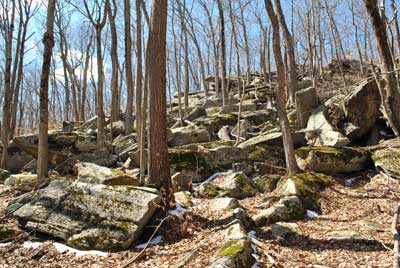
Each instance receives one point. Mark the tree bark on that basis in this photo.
(159, 169)
(128, 66)
(291, 163)
(48, 41)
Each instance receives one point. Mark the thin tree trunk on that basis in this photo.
(128, 66)
(48, 41)
(291, 163)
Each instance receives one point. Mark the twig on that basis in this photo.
(395, 233)
(129, 262)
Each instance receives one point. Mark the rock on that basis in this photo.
(87, 216)
(125, 143)
(69, 126)
(331, 160)
(196, 113)
(236, 185)
(245, 128)
(236, 251)
(272, 139)
(184, 198)
(214, 123)
(347, 235)
(320, 131)
(287, 209)
(23, 182)
(188, 135)
(361, 108)
(181, 182)
(17, 158)
(223, 134)
(306, 186)
(306, 83)
(306, 101)
(285, 230)
(266, 183)
(260, 117)
(387, 160)
(4, 174)
(223, 203)
(95, 174)
(247, 105)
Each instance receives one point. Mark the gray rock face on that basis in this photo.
(287, 209)
(188, 135)
(361, 108)
(320, 131)
(223, 203)
(235, 185)
(388, 160)
(123, 145)
(306, 101)
(181, 181)
(285, 230)
(92, 173)
(331, 160)
(223, 134)
(236, 252)
(87, 216)
(4, 174)
(196, 113)
(117, 127)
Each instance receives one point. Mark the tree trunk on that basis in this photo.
(159, 169)
(291, 163)
(223, 51)
(114, 62)
(7, 90)
(291, 66)
(48, 41)
(392, 95)
(128, 67)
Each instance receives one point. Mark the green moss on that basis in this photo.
(210, 190)
(344, 154)
(258, 153)
(388, 160)
(231, 249)
(245, 184)
(26, 179)
(118, 172)
(214, 111)
(267, 183)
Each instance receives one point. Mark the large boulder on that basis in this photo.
(387, 160)
(306, 101)
(306, 186)
(92, 173)
(332, 160)
(123, 145)
(361, 109)
(87, 216)
(236, 251)
(235, 185)
(187, 135)
(320, 131)
(287, 209)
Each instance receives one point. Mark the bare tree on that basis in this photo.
(8, 34)
(48, 41)
(291, 163)
(128, 66)
(159, 170)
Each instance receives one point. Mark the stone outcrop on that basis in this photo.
(387, 160)
(332, 160)
(306, 101)
(87, 216)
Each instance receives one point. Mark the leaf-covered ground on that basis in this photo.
(362, 203)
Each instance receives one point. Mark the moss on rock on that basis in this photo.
(388, 160)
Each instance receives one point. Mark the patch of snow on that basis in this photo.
(2, 245)
(30, 244)
(178, 211)
(61, 248)
(212, 177)
(252, 234)
(156, 240)
(312, 214)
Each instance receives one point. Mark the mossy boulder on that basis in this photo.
(236, 251)
(332, 160)
(214, 123)
(92, 173)
(286, 209)
(306, 186)
(285, 230)
(24, 182)
(85, 215)
(266, 183)
(388, 160)
(188, 135)
(235, 185)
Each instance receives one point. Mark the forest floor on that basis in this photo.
(361, 204)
